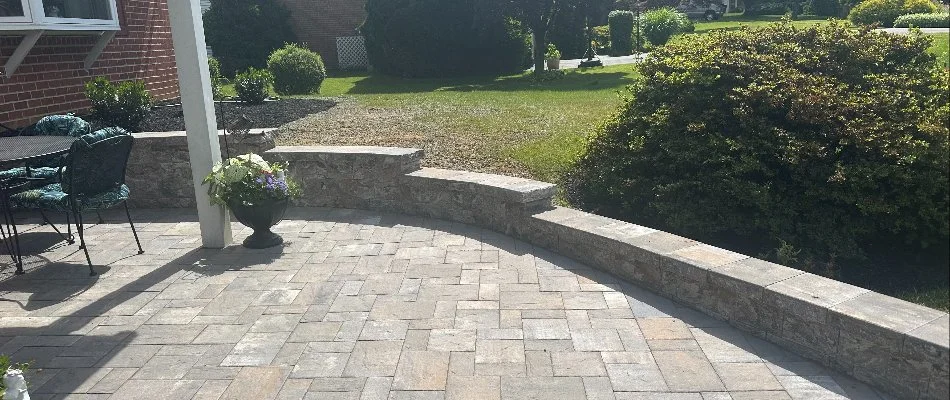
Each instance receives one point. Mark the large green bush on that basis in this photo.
(661, 24)
(432, 38)
(621, 32)
(253, 86)
(124, 105)
(242, 33)
(825, 141)
(884, 12)
(296, 70)
(935, 20)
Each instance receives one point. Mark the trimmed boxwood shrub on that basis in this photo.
(621, 32)
(827, 140)
(296, 70)
(125, 104)
(935, 20)
(661, 24)
(434, 38)
(242, 33)
(253, 86)
(884, 12)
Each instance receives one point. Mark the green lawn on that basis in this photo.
(941, 48)
(734, 21)
(508, 124)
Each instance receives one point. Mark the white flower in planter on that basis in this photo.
(16, 386)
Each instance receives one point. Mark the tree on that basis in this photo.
(242, 33)
(538, 15)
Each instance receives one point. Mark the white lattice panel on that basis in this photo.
(351, 52)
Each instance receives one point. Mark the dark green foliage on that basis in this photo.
(124, 105)
(253, 85)
(433, 38)
(621, 32)
(601, 38)
(885, 12)
(217, 81)
(661, 24)
(242, 33)
(935, 20)
(827, 142)
(825, 8)
(296, 70)
(568, 31)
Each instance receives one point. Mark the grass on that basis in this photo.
(941, 48)
(529, 128)
(736, 21)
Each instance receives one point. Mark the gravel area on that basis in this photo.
(352, 124)
(271, 114)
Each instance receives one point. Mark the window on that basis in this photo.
(79, 9)
(58, 15)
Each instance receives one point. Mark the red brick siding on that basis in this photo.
(51, 78)
(318, 23)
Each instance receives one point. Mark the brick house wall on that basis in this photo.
(318, 23)
(51, 78)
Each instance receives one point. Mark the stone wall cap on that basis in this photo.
(935, 331)
(706, 257)
(516, 189)
(661, 243)
(757, 272)
(383, 151)
(817, 290)
(887, 312)
(169, 134)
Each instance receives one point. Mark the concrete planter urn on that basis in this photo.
(260, 217)
(553, 63)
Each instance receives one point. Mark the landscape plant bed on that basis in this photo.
(271, 114)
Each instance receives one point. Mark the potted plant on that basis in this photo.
(257, 192)
(553, 57)
(12, 384)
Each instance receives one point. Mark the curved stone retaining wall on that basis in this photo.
(894, 345)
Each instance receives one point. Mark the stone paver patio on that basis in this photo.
(361, 305)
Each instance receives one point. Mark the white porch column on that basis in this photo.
(194, 83)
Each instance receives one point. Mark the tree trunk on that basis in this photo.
(539, 49)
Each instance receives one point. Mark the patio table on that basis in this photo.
(20, 150)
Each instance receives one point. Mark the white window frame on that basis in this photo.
(35, 19)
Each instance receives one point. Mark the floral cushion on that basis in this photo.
(61, 125)
(52, 197)
(36, 172)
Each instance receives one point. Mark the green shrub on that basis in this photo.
(825, 8)
(621, 32)
(919, 7)
(217, 81)
(935, 20)
(242, 33)
(434, 38)
(253, 85)
(884, 12)
(568, 30)
(296, 70)
(661, 24)
(830, 140)
(767, 8)
(124, 105)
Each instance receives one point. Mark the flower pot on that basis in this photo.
(260, 217)
(554, 63)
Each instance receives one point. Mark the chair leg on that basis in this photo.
(13, 240)
(101, 221)
(69, 231)
(68, 237)
(134, 233)
(82, 242)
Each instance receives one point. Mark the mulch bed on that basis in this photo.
(271, 114)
